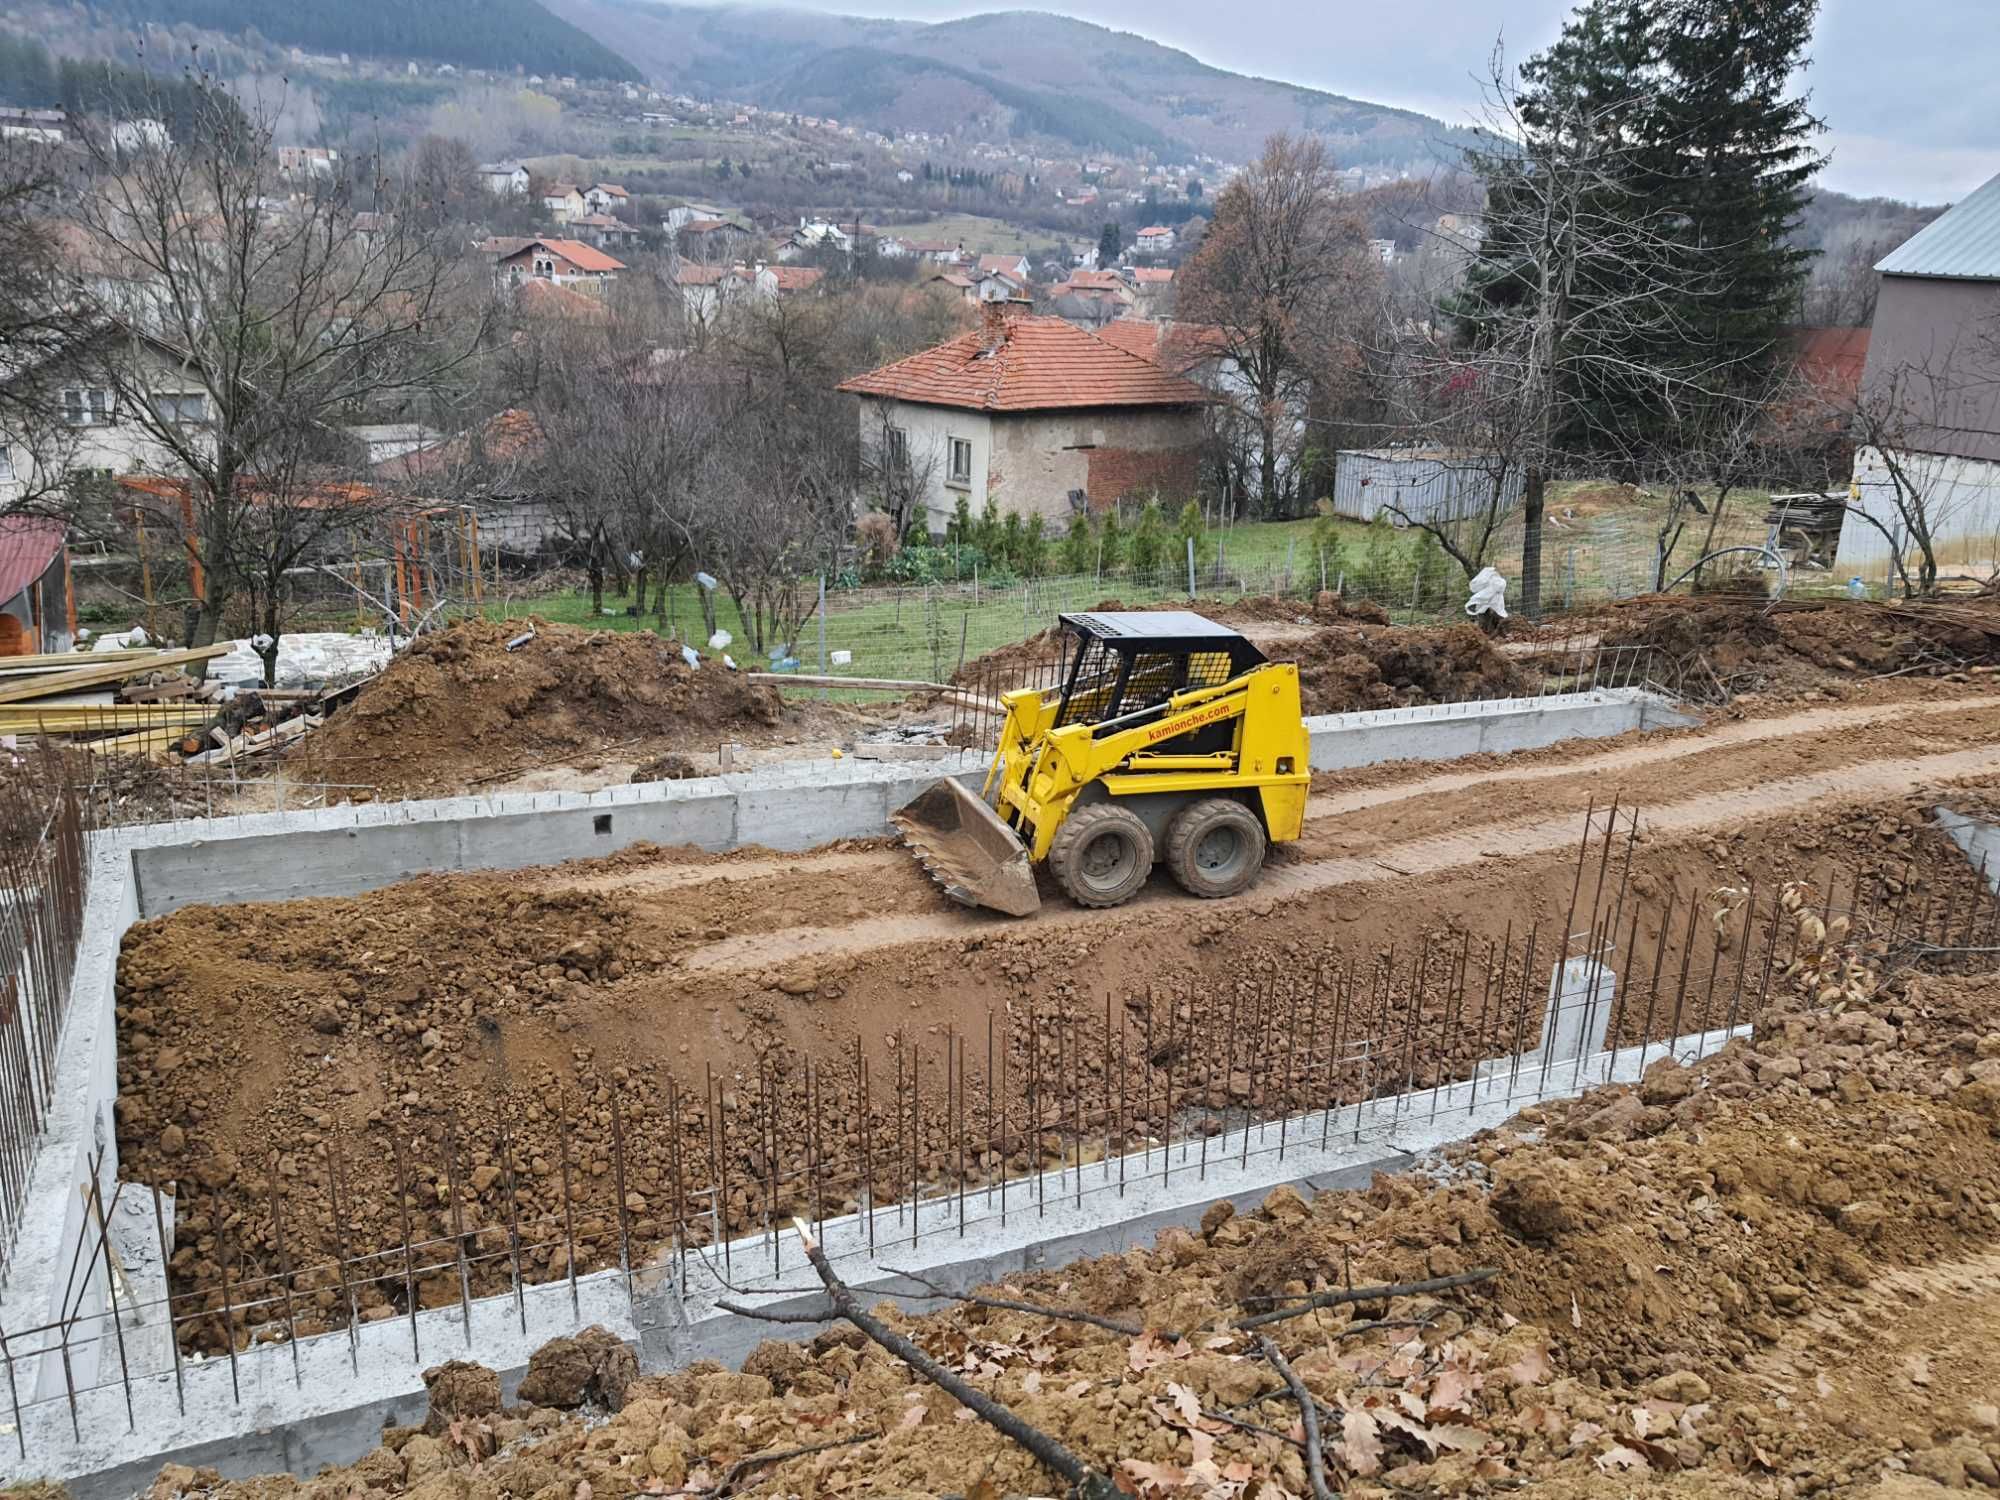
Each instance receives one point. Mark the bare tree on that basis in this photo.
(289, 321)
(41, 332)
(1279, 276)
(1582, 286)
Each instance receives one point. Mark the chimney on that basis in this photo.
(994, 316)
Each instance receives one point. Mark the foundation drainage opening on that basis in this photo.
(601, 823)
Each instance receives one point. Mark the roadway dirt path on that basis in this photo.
(848, 903)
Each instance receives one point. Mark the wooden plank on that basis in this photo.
(31, 720)
(61, 661)
(69, 682)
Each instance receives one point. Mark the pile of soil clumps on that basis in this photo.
(1346, 668)
(1770, 1272)
(1718, 643)
(458, 707)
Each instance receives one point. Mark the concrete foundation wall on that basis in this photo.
(56, 1273)
(325, 1399)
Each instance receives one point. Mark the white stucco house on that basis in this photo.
(1035, 413)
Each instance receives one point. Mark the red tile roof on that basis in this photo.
(1039, 364)
(796, 278)
(583, 257)
(1830, 360)
(1154, 229)
(1011, 264)
(1175, 347)
(28, 544)
(507, 436)
(1153, 275)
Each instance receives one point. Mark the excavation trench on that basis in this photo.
(551, 1070)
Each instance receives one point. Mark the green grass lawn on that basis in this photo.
(910, 632)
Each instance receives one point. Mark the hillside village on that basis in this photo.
(752, 752)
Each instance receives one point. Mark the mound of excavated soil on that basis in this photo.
(459, 707)
(1771, 1273)
(1344, 668)
(1796, 649)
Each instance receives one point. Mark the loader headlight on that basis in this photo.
(1284, 765)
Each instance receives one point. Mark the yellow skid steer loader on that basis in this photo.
(1171, 737)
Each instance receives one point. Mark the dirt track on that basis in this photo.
(1707, 779)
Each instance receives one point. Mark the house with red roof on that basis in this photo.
(37, 605)
(1154, 239)
(568, 263)
(708, 292)
(1035, 414)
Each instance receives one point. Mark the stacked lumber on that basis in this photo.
(133, 701)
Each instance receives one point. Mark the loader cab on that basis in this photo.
(1121, 665)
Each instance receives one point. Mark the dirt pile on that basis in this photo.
(1030, 660)
(459, 707)
(1719, 643)
(1772, 1272)
(1344, 668)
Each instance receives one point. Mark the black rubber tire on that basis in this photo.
(1102, 855)
(1215, 848)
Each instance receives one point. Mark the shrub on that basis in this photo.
(1149, 542)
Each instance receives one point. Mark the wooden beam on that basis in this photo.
(83, 677)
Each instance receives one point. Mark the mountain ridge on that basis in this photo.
(1009, 74)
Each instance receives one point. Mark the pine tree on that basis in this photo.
(1110, 240)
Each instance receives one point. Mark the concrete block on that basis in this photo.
(1979, 839)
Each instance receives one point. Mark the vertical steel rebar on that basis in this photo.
(507, 1192)
(173, 1333)
(569, 1201)
(340, 1247)
(618, 1182)
(457, 1222)
(285, 1273)
(409, 1266)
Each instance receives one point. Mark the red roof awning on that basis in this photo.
(28, 544)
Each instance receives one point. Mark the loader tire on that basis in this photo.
(1102, 855)
(1215, 847)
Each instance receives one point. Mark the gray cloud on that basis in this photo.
(1909, 89)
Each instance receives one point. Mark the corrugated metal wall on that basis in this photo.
(1424, 487)
(1961, 499)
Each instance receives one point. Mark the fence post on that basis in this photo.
(1190, 560)
(1290, 543)
(822, 631)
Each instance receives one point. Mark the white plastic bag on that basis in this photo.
(1489, 594)
(690, 656)
(719, 640)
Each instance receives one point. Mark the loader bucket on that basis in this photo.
(966, 849)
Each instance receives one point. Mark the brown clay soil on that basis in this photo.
(458, 710)
(1773, 1273)
(450, 1027)
(1746, 646)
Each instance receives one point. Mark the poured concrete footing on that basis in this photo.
(280, 1418)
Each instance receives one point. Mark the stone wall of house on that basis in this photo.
(1039, 458)
(1032, 461)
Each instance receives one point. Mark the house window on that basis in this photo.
(896, 448)
(961, 462)
(86, 406)
(182, 409)
(6, 462)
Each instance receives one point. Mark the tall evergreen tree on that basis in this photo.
(1711, 160)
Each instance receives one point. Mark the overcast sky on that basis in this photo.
(1909, 89)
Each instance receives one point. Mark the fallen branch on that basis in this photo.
(1340, 1295)
(1308, 1417)
(1007, 1304)
(1087, 1482)
(743, 1466)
